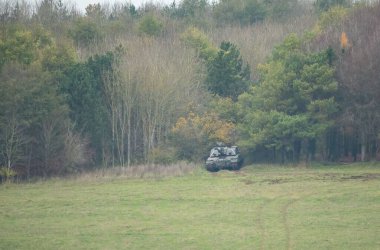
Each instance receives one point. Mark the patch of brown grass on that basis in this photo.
(148, 171)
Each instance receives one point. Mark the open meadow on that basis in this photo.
(258, 207)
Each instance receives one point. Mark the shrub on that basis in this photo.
(149, 25)
(7, 173)
(163, 155)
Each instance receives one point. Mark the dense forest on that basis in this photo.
(116, 85)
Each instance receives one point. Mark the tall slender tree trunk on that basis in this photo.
(129, 140)
(362, 153)
(363, 147)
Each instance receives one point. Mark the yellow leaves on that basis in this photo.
(180, 125)
(263, 68)
(224, 133)
(208, 126)
(196, 39)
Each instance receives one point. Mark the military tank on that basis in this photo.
(223, 157)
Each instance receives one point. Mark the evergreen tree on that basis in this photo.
(227, 76)
(84, 90)
(293, 104)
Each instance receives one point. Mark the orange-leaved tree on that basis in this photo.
(193, 135)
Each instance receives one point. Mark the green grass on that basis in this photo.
(259, 207)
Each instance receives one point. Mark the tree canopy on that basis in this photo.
(118, 85)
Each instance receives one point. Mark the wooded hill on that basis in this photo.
(287, 81)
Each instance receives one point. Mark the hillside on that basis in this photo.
(286, 81)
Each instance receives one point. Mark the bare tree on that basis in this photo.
(356, 41)
(13, 138)
(151, 87)
(76, 151)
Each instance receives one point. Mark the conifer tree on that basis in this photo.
(227, 75)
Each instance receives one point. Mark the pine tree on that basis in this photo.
(227, 76)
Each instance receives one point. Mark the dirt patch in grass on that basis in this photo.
(363, 177)
(278, 181)
(340, 177)
(248, 181)
(315, 177)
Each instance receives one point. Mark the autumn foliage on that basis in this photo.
(343, 41)
(194, 134)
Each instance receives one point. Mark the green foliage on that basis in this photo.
(150, 25)
(84, 90)
(225, 108)
(19, 46)
(85, 32)
(192, 8)
(324, 5)
(57, 58)
(28, 99)
(196, 39)
(280, 9)
(7, 173)
(49, 44)
(333, 16)
(247, 12)
(254, 11)
(163, 155)
(241, 11)
(194, 12)
(275, 129)
(132, 10)
(227, 76)
(293, 102)
(33, 117)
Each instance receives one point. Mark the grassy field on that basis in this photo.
(259, 207)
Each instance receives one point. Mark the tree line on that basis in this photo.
(120, 85)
